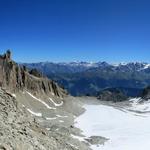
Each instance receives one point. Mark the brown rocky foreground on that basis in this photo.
(35, 113)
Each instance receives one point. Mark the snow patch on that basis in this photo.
(61, 116)
(147, 66)
(14, 95)
(34, 113)
(56, 103)
(45, 104)
(61, 121)
(78, 137)
(135, 100)
(73, 146)
(53, 94)
(140, 107)
(51, 118)
(123, 63)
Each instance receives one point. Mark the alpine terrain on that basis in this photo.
(37, 114)
(84, 78)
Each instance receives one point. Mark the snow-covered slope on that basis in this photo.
(126, 130)
(140, 106)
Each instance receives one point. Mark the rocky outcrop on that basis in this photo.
(21, 131)
(97, 140)
(36, 73)
(15, 77)
(112, 94)
(146, 93)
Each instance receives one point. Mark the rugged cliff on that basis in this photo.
(35, 112)
(15, 77)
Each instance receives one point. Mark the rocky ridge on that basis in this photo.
(15, 77)
(35, 113)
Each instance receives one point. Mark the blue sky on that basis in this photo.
(71, 30)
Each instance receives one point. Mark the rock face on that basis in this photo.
(14, 77)
(112, 94)
(146, 93)
(21, 131)
(28, 122)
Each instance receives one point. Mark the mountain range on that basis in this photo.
(88, 78)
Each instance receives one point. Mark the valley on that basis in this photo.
(74, 75)
(38, 114)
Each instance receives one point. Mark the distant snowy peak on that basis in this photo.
(105, 64)
(147, 66)
(79, 66)
(132, 65)
(85, 64)
(119, 64)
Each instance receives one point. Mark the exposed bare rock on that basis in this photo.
(97, 140)
(20, 131)
(146, 93)
(34, 114)
(112, 94)
(15, 77)
(36, 73)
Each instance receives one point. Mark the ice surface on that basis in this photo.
(125, 130)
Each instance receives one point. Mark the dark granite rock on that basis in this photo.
(36, 73)
(97, 140)
(112, 94)
(146, 93)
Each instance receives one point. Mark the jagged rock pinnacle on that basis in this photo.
(8, 54)
(15, 77)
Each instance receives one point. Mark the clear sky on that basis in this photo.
(70, 30)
